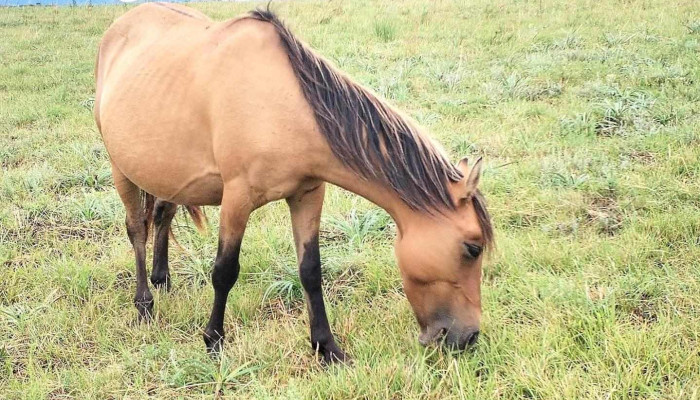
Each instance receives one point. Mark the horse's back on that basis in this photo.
(155, 17)
(138, 29)
(185, 104)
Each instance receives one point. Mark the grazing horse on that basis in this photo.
(241, 113)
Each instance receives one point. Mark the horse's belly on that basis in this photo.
(174, 166)
(174, 182)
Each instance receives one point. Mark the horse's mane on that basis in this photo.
(369, 136)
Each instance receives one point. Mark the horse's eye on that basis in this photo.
(472, 250)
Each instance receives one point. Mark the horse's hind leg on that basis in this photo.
(163, 213)
(305, 208)
(136, 228)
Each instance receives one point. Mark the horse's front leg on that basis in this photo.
(235, 210)
(305, 208)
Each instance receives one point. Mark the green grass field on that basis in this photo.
(587, 116)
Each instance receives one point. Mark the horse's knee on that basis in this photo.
(310, 267)
(226, 267)
(224, 275)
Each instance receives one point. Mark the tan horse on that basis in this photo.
(241, 113)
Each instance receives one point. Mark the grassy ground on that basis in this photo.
(586, 114)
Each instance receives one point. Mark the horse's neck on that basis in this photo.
(374, 191)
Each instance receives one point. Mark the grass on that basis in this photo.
(585, 112)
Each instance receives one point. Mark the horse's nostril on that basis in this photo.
(473, 337)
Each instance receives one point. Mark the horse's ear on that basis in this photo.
(473, 174)
(463, 166)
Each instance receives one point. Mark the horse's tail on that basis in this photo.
(195, 212)
(198, 217)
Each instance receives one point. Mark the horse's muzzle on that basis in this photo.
(457, 339)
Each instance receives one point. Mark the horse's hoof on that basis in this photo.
(145, 308)
(214, 342)
(333, 355)
(145, 312)
(161, 281)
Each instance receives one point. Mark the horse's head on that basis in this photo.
(440, 260)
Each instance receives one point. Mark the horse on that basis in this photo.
(241, 113)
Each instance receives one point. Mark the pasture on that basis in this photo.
(586, 114)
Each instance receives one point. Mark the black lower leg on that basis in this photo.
(322, 339)
(223, 278)
(162, 217)
(143, 299)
